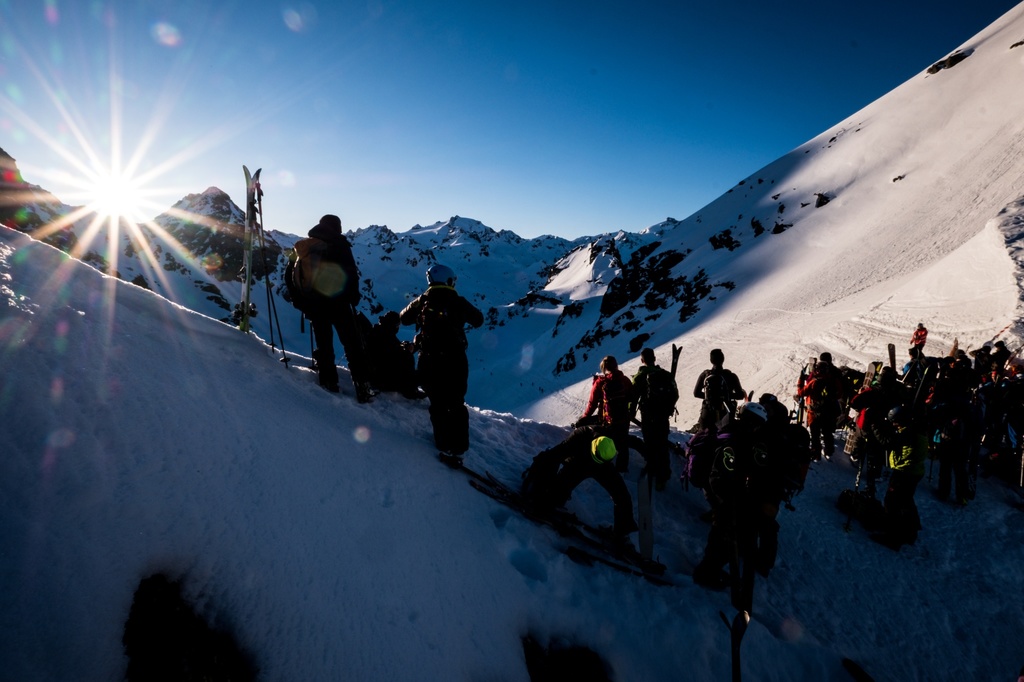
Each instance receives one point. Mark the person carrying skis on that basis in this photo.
(329, 295)
(656, 395)
(920, 336)
(610, 395)
(745, 488)
(393, 361)
(718, 389)
(441, 315)
(588, 452)
(824, 391)
(906, 443)
(873, 403)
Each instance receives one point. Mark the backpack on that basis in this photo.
(615, 394)
(441, 326)
(294, 294)
(308, 278)
(716, 387)
(700, 457)
(662, 393)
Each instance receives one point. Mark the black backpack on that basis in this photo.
(662, 393)
(441, 324)
(716, 387)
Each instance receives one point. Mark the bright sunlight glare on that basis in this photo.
(117, 196)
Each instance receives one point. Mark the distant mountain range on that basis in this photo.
(811, 252)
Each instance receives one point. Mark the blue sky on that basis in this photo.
(564, 118)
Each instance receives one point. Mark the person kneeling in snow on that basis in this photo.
(586, 453)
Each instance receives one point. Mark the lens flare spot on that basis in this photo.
(60, 438)
(14, 93)
(361, 435)
(526, 358)
(792, 631)
(213, 262)
(51, 13)
(286, 178)
(56, 390)
(299, 19)
(166, 34)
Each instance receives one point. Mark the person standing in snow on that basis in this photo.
(718, 389)
(824, 391)
(588, 452)
(1000, 354)
(610, 395)
(919, 337)
(745, 487)
(441, 315)
(873, 403)
(330, 304)
(906, 443)
(655, 394)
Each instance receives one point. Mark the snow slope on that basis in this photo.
(142, 437)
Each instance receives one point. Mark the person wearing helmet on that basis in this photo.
(588, 452)
(906, 445)
(745, 488)
(330, 306)
(441, 315)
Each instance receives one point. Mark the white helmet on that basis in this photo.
(754, 409)
(440, 274)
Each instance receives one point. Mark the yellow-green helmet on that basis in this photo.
(602, 449)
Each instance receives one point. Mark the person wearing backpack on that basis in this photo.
(745, 486)
(825, 392)
(441, 315)
(718, 390)
(656, 395)
(610, 395)
(324, 284)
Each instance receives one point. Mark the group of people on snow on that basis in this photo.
(323, 282)
(748, 457)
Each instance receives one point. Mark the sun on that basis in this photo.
(114, 197)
